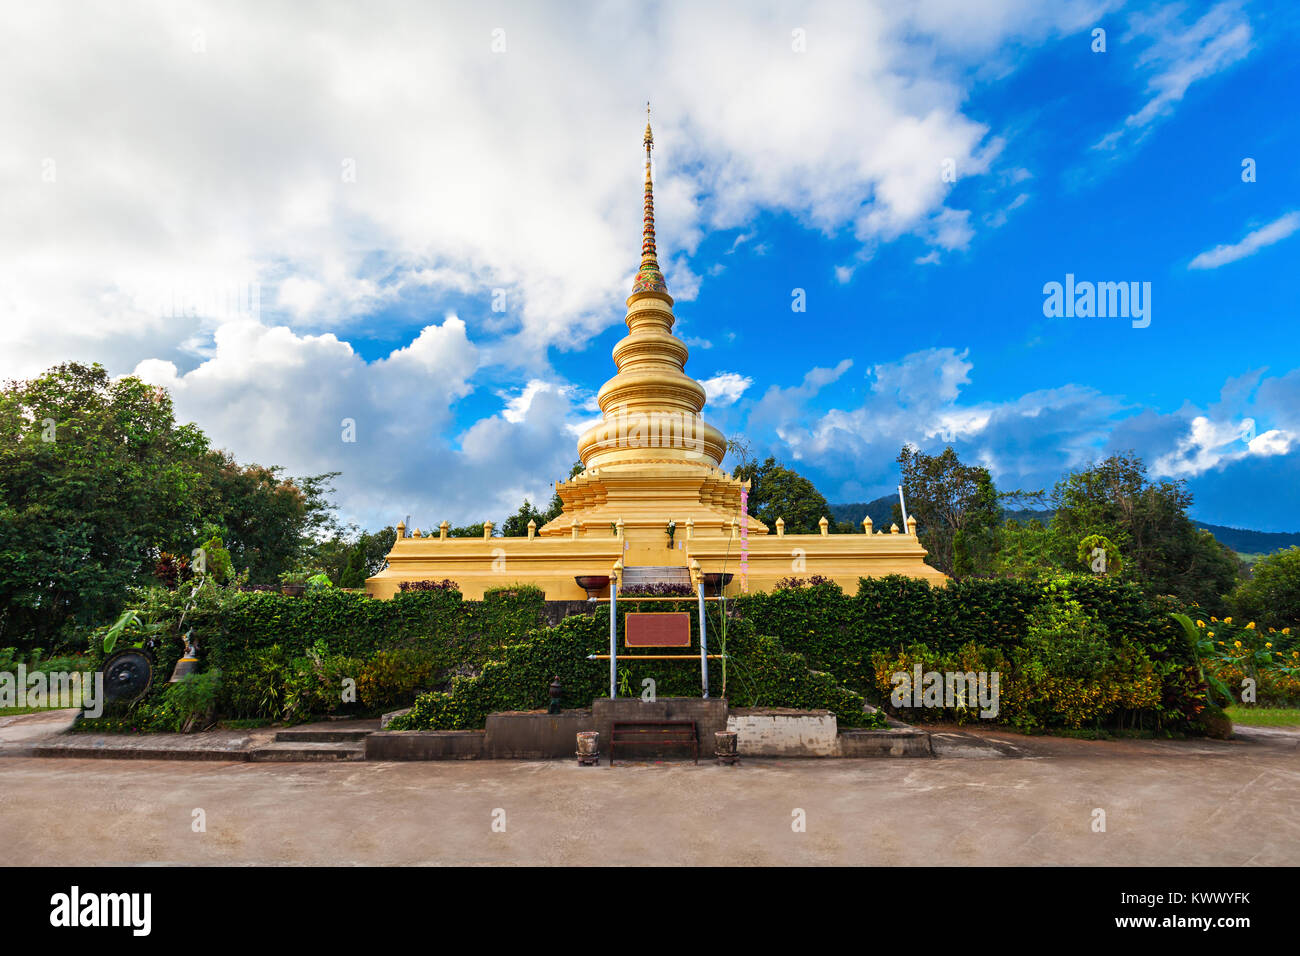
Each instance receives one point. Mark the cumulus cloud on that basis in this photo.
(346, 165)
(725, 388)
(278, 396)
(1027, 442)
(1275, 231)
(343, 167)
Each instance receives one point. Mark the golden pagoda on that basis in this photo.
(652, 495)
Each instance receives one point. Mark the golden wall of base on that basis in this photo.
(551, 563)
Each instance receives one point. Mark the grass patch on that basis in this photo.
(1265, 716)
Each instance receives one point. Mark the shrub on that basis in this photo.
(189, 703)
(444, 585)
(763, 675)
(1271, 596)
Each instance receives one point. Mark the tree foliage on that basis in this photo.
(1271, 595)
(780, 492)
(98, 481)
(956, 509)
(95, 477)
(1147, 520)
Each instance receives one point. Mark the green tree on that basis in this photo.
(516, 526)
(1271, 595)
(354, 575)
(335, 554)
(1025, 549)
(469, 530)
(96, 477)
(780, 492)
(956, 506)
(269, 522)
(1148, 522)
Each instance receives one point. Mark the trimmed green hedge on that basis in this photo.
(759, 673)
(839, 632)
(808, 647)
(286, 657)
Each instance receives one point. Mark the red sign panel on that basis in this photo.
(646, 629)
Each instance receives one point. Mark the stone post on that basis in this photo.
(780, 527)
(442, 531)
(532, 529)
(866, 525)
(825, 526)
(487, 530)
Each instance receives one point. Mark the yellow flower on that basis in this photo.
(1250, 626)
(1286, 630)
(1200, 624)
(1237, 644)
(1227, 620)
(1213, 618)
(1268, 645)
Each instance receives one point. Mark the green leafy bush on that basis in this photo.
(763, 674)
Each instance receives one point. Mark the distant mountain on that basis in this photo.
(879, 511)
(1241, 540)
(1251, 542)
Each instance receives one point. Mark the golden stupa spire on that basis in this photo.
(649, 278)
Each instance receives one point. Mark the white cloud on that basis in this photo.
(344, 162)
(518, 406)
(1177, 56)
(1211, 444)
(725, 388)
(1275, 231)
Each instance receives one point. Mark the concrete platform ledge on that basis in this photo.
(887, 742)
(426, 745)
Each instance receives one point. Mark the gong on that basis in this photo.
(127, 675)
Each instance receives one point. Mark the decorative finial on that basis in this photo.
(649, 278)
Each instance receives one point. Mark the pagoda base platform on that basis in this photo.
(551, 563)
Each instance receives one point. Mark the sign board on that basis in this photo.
(657, 629)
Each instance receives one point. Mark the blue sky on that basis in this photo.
(514, 175)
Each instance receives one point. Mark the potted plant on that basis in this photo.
(294, 583)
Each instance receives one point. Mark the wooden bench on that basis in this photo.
(633, 733)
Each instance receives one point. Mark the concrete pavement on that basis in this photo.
(1030, 800)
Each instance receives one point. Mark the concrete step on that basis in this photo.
(320, 736)
(308, 751)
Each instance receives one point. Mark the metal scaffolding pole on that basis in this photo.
(613, 639)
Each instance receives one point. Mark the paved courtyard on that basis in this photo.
(989, 799)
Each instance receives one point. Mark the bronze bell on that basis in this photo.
(189, 662)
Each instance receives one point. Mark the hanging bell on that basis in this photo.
(189, 662)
